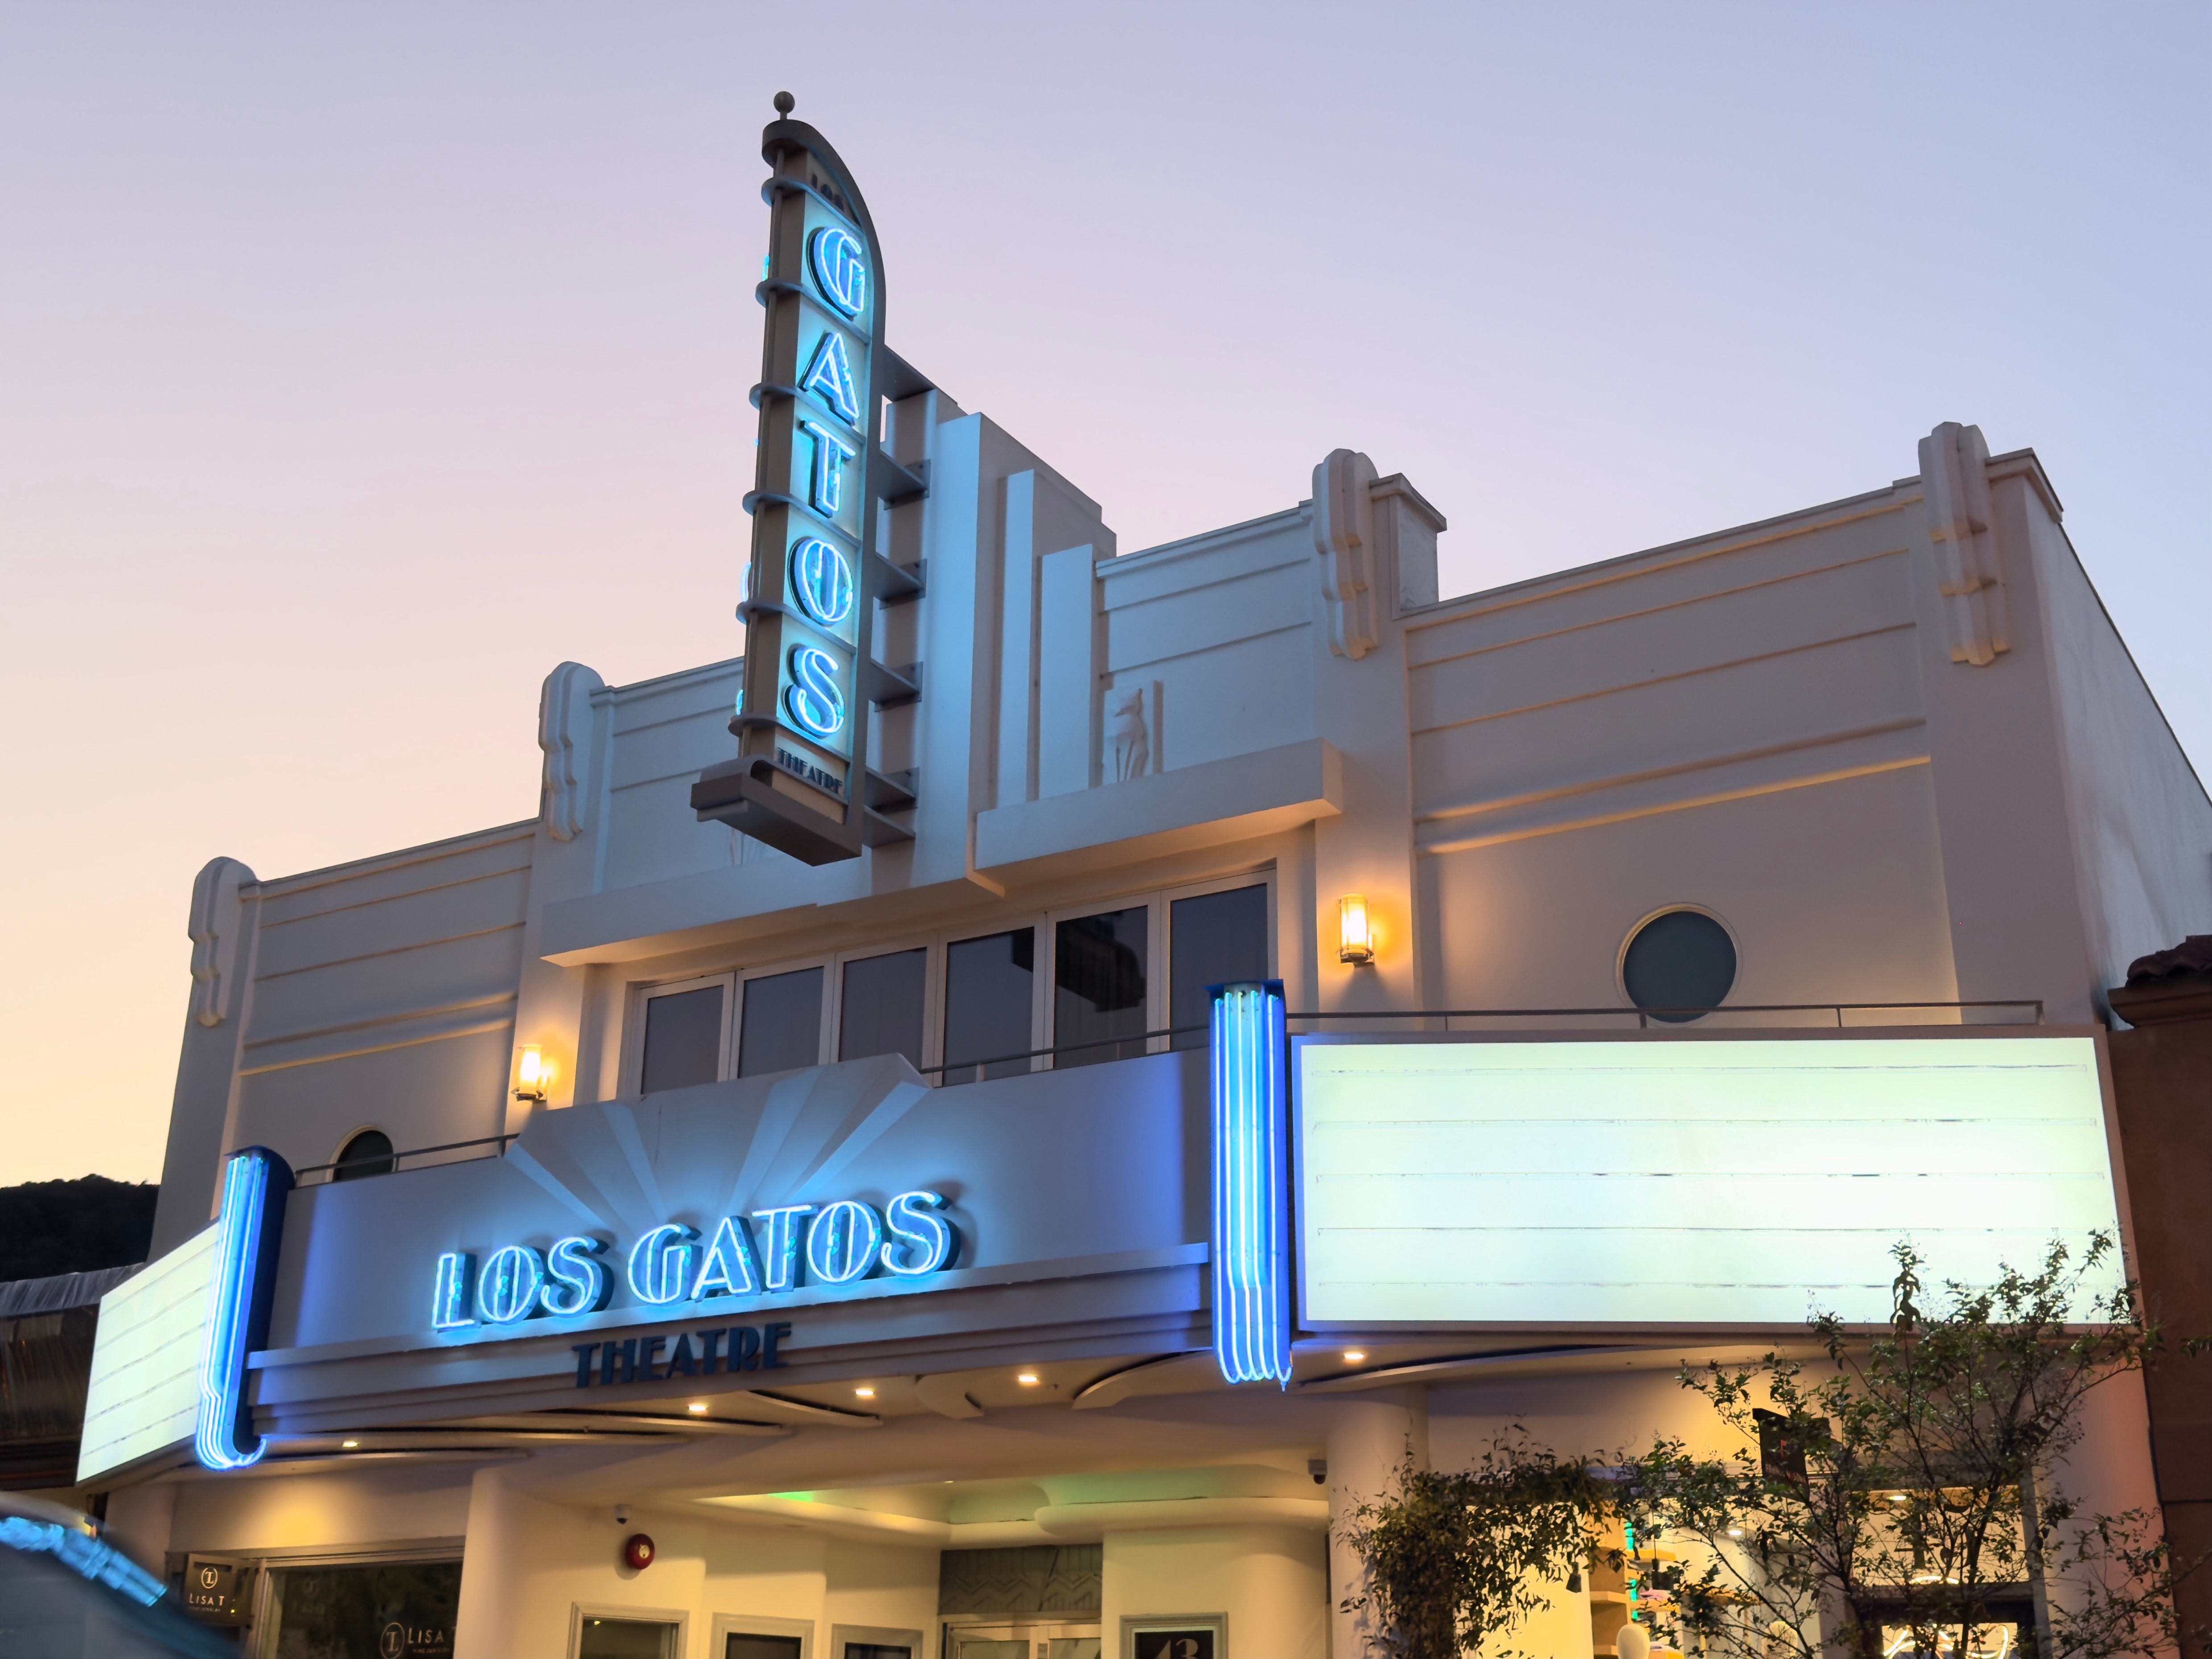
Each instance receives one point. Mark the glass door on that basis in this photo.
(1026, 1639)
(625, 1638)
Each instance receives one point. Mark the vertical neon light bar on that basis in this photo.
(255, 1183)
(1251, 1173)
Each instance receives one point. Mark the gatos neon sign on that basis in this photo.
(828, 1244)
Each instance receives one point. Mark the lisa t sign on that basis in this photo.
(1710, 1182)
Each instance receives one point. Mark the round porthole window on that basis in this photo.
(1679, 959)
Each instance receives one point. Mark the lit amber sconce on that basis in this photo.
(1355, 939)
(536, 1072)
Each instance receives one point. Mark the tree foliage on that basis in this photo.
(1904, 1479)
(49, 1227)
(1455, 1559)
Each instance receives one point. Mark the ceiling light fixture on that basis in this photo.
(698, 1407)
(865, 1394)
(1354, 1356)
(348, 1445)
(1027, 1379)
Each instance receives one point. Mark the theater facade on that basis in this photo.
(981, 1128)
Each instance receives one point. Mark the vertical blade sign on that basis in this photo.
(799, 782)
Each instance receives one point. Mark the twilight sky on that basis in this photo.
(358, 366)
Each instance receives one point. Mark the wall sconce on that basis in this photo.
(1355, 939)
(536, 1074)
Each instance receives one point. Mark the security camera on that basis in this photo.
(1318, 1468)
(622, 1515)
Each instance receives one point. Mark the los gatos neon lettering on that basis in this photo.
(839, 1243)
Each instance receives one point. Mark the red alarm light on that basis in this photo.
(637, 1551)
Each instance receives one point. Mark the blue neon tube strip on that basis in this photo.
(255, 1183)
(1251, 1207)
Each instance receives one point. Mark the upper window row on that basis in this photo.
(968, 1007)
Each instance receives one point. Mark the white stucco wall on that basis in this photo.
(1271, 1582)
(2142, 827)
(531, 1563)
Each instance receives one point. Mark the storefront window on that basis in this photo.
(390, 1610)
(683, 1039)
(882, 1007)
(1999, 1641)
(627, 1639)
(1213, 939)
(782, 1028)
(738, 1646)
(1099, 969)
(989, 983)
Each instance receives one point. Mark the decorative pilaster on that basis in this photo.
(564, 720)
(1955, 478)
(1344, 535)
(213, 928)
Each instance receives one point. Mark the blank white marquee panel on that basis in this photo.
(146, 1359)
(1701, 1182)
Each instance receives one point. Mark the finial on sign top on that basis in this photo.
(785, 103)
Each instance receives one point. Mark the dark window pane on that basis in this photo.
(368, 1153)
(1215, 938)
(987, 987)
(346, 1613)
(683, 1039)
(1099, 964)
(626, 1639)
(782, 1028)
(876, 1650)
(882, 1013)
(761, 1647)
(1683, 959)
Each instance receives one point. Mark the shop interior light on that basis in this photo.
(865, 1394)
(348, 1445)
(1027, 1379)
(535, 1074)
(698, 1407)
(1355, 937)
(1354, 1356)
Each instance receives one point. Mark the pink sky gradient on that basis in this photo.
(356, 366)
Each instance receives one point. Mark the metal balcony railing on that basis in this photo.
(377, 1163)
(1843, 1015)
(1779, 1016)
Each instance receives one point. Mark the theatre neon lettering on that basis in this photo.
(675, 1265)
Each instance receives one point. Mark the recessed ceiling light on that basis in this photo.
(1898, 1497)
(1354, 1356)
(698, 1406)
(348, 1445)
(1027, 1379)
(865, 1394)
(1736, 1532)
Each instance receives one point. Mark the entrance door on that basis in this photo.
(626, 1639)
(873, 1642)
(1027, 1638)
